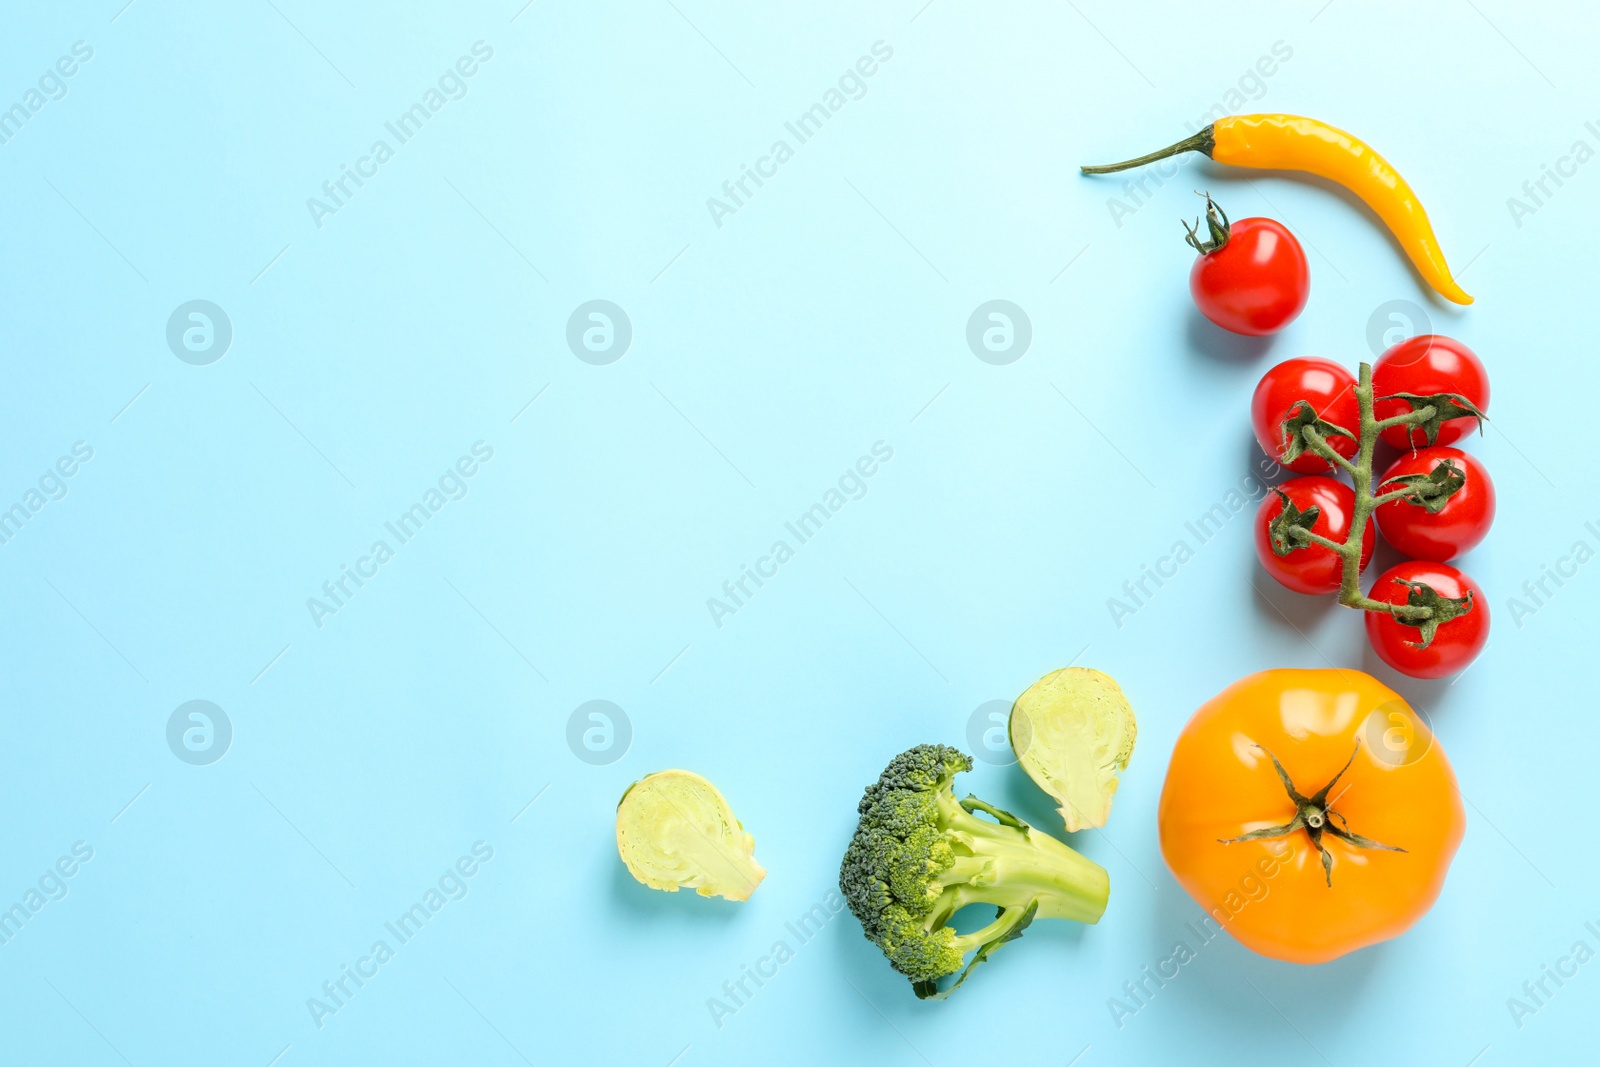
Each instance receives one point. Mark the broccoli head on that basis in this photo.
(919, 856)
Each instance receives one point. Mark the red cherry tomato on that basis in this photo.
(1256, 283)
(1330, 390)
(1313, 568)
(1455, 643)
(1455, 528)
(1426, 365)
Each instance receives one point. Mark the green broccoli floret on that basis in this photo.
(919, 856)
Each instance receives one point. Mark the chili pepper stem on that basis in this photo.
(1204, 141)
(1360, 471)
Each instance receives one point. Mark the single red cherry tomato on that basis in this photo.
(1330, 390)
(1425, 365)
(1251, 277)
(1455, 643)
(1312, 568)
(1454, 529)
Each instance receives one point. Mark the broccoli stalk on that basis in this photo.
(919, 856)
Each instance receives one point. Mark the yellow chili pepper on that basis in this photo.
(1291, 142)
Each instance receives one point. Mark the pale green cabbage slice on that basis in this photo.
(1072, 731)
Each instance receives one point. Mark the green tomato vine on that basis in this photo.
(1291, 530)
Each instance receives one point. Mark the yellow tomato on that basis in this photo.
(1310, 812)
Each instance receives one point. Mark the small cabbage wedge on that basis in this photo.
(676, 831)
(1072, 731)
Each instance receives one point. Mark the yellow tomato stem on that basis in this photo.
(1314, 815)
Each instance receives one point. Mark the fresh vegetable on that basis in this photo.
(1425, 370)
(1072, 731)
(919, 856)
(1291, 142)
(1251, 277)
(1443, 526)
(675, 831)
(1444, 642)
(1301, 392)
(1310, 813)
(1293, 548)
(1320, 505)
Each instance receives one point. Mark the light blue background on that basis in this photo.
(768, 353)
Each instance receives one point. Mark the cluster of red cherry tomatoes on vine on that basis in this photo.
(1315, 533)
(1433, 503)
